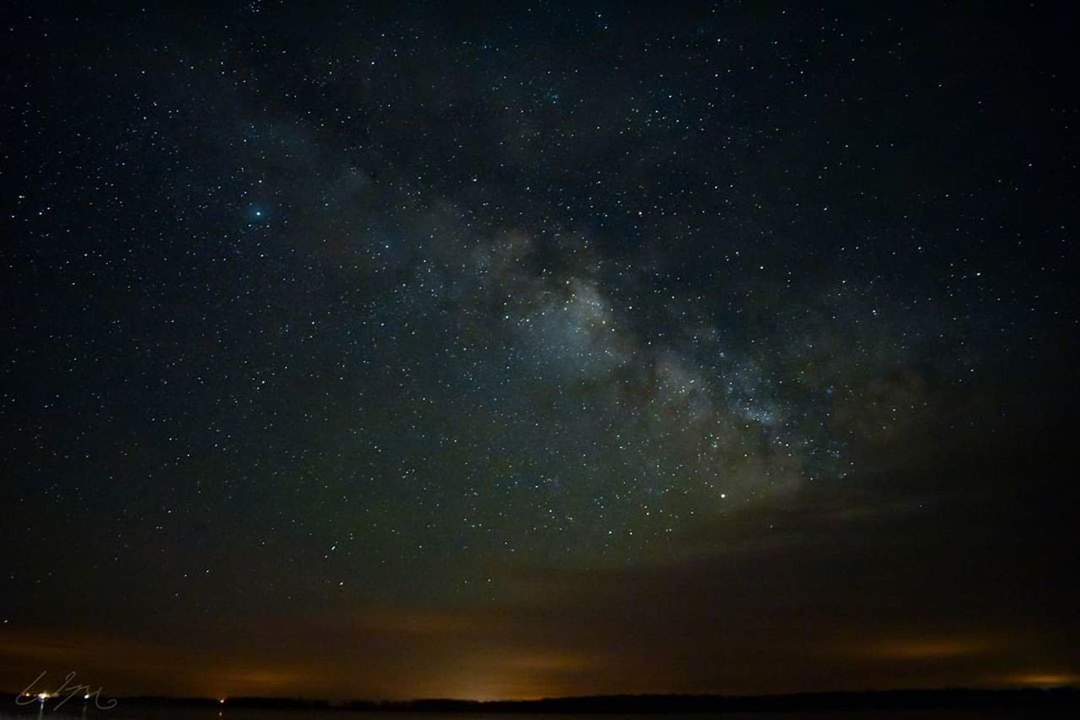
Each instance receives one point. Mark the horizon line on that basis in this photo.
(656, 699)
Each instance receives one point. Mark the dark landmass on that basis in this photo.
(660, 704)
(944, 699)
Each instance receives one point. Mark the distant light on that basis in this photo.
(86, 696)
(221, 701)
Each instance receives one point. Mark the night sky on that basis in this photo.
(508, 350)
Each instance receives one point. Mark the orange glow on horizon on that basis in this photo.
(1043, 679)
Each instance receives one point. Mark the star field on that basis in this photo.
(391, 350)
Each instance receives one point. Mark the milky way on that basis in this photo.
(540, 341)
